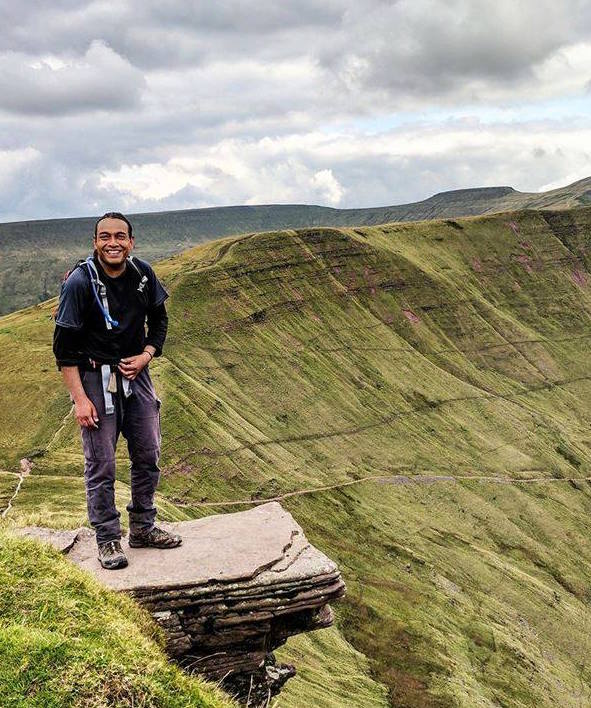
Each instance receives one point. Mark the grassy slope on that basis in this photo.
(320, 357)
(329, 673)
(57, 243)
(64, 641)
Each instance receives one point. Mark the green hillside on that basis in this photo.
(66, 642)
(418, 396)
(34, 255)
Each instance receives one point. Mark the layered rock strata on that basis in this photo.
(236, 589)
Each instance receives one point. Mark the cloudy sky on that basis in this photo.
(143, 105)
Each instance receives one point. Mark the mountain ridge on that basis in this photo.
(58, 243)
(489, 191)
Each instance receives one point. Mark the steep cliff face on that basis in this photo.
(236, 589)
(418, 396)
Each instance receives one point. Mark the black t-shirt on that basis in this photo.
(81, 331)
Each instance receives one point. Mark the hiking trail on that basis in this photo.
(394, 479)
(26, 466)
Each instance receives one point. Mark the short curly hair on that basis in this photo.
(114, 215)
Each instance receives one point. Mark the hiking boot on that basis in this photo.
(156, 538)
(111, 556)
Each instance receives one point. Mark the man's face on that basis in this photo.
(112, 241)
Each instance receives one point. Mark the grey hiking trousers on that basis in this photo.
(138, 419)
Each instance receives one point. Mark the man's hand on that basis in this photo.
(84, 409)
(131, 366)
(85, 413)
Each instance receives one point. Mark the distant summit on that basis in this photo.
(58, 243)
(474, 192)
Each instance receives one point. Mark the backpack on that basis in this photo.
(99, 289)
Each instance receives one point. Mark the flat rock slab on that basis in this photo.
(224, 548)
(62, 540)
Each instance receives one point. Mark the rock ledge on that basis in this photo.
(235, 590)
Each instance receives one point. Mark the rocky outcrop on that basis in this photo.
(236, 589)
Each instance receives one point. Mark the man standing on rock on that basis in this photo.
(102, 348)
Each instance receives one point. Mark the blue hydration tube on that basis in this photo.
(105, 312)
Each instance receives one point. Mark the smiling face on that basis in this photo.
(113, 243)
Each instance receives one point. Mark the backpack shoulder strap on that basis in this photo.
(143, 277)
(100, 292)
(91, 268)
(67, 274)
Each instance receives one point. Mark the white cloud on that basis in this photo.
(387, 168)
(229, 172)
(169, 105)
(51, 85)
(13, 163)
(329, 188)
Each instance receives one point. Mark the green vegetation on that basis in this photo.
(433, 378)
(329, 673)
(34, 255)
(58, 502)
(65, 641)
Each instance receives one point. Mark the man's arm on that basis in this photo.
(84, 408)
(157, 328)
(67, 344)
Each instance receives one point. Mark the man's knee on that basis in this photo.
(143, 439)
(144, 456)
(99, 472)
(99, 481)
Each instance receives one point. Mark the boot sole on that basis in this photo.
(120, 564)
